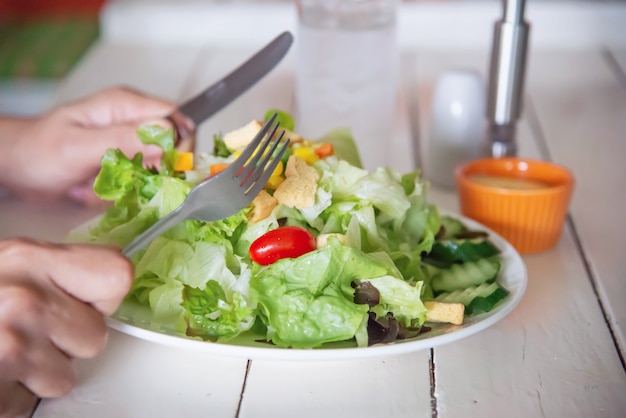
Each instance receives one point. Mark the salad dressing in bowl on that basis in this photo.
(505, 182)
(523, 200)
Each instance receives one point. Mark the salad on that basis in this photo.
(328, 252)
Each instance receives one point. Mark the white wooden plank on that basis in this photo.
(386, 387)
(557, 334)
(582, 110)
(50, 222)
(620, 57)
(153, 69)
(135, 378)
(26, 97)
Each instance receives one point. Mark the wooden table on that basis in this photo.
(560, 353)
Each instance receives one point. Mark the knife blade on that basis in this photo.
(199, 108)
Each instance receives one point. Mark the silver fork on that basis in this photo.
(227, 192)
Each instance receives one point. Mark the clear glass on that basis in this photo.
(346, 72)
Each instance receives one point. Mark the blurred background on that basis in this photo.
(41, 40)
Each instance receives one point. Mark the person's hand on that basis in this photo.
(53, 299)
(58, 154)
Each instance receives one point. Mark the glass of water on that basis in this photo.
(346, 71)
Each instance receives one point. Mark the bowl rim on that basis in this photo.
(462, 172)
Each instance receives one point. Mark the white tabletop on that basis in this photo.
(560, 353)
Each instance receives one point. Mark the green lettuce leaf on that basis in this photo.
(401, 298)
(204, 280)
(309, 301)
(164, 138)
(284, 118)
(213, 314)
(344, 145)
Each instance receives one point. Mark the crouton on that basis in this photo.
(262, 206)
(241, 137)
(300, 185)
(322, 239)
(294, 138)
(445, 312)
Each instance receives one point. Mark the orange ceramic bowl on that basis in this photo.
(525, 201)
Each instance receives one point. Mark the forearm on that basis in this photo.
(11, 133)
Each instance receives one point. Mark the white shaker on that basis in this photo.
(346, 72)
(457, 125)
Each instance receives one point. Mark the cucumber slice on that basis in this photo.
(450, 227)
(477, 299)
(485, 304)
(465, 296)
(461, 276)
(454, 251)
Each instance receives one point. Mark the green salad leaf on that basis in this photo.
(284, 118)
(309, 301)
(345, 147)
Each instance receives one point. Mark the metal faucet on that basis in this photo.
(506, 79)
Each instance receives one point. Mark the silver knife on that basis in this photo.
(198, 109)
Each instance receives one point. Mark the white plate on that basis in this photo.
(135, 320)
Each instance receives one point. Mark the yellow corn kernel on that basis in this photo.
(278, 171)
(274, 181)
(277, 177)
(306, 154)
(236, 154)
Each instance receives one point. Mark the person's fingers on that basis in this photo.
(120, 104)
(52, 298)
(89, 146)
(95, 274)
(49, 372)
(110, 119)
(28, 357)
(74, 327)
(15, 400)
(30, 312)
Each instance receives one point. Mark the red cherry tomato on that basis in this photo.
(283, 242)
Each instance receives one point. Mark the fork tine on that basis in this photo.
(247, 152)
(265, 175)
(259, 168)
(246, 171)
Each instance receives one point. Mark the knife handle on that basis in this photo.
(184, 132)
